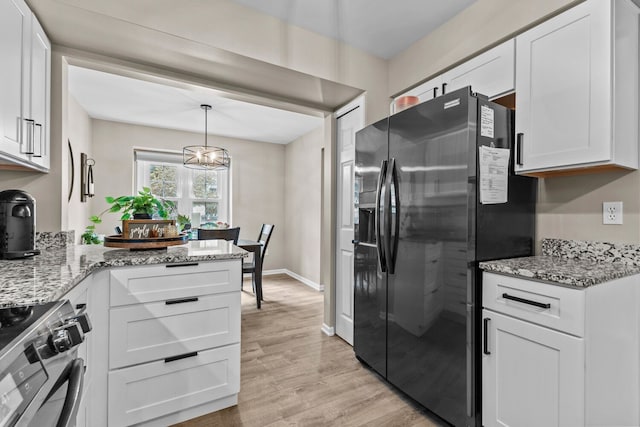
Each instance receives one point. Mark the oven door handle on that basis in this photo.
(74, 373)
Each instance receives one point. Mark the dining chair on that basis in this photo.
(263, 239)
(219, 233)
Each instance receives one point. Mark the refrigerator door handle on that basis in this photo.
(393, 216)
(382, 263)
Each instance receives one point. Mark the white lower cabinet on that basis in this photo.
(560, 356)
(169, 340)
(533, 376)
(145, 392)
(157, 330)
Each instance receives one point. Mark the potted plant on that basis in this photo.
(184, 222)
(141, 206)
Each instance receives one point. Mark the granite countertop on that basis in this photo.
(48, 276)
(573, 263)
(572, 272)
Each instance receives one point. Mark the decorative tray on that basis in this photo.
(117, 241)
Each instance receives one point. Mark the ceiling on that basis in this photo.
(122, 99)
(381, 27)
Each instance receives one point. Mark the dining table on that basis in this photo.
(256, 248)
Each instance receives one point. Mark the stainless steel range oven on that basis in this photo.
(41, 376)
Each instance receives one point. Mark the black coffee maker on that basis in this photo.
(17, 225)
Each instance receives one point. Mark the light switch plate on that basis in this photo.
(612, 213)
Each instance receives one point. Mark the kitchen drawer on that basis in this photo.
(146, 332)
(156, 389)
(566, 311)
(169, 281)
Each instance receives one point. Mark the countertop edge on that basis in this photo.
(63, 287)
(101, 265)
(572, 273)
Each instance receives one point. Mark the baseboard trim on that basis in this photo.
(296, 276)
(328, 330)
(304, 280)
(272, 272)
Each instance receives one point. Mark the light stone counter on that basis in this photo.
(48, 276)
(573, 263)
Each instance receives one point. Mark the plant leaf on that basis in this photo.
(110, 199)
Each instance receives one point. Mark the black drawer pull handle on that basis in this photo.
(526, 301)
(81, 306)
(485, 345)
(184, 264)
(182, 356)
(180, 300)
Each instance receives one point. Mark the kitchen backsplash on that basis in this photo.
(54, 240)
(625, 253)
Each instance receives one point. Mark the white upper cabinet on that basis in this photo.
(40, 93)
(15, 23)
(491, 73)
(426, 91)
(577, 89)
(25, 87)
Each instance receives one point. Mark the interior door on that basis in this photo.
(370, 296)
(347, 125)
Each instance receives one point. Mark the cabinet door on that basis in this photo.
(491, 73)
(563, 86)
(144, 332)
(40, 94)
(151, 390)
(143, 284)
(15, 24)
(532, 376)
(426, 91)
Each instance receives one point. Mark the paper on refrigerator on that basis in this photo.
(494, 174)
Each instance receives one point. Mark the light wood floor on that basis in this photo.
(293, 374)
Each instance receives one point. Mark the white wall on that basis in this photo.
(258, 173)
(303, 166)
(79, 135)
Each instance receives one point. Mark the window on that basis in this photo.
(196, 193)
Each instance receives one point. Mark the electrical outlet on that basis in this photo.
(612, 213)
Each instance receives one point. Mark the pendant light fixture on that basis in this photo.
(203, 156)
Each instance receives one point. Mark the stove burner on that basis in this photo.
(14, 315)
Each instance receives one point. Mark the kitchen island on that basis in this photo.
(53, 273)
(165, 344)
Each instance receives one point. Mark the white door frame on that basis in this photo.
(358, 103)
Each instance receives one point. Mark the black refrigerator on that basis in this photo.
(425, 217)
